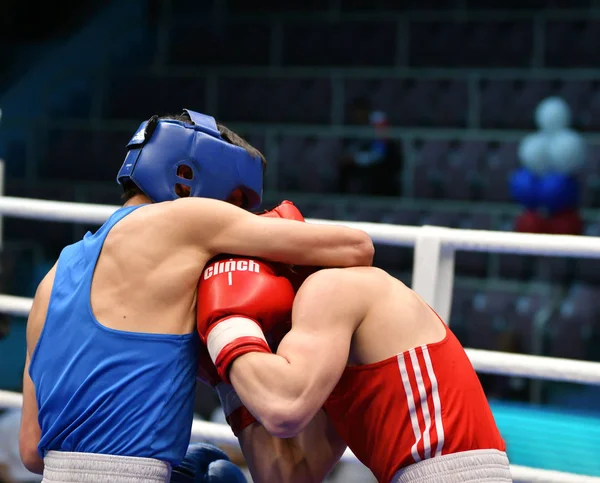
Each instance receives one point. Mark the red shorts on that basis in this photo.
(423, 403)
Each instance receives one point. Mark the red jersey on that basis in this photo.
(423, 403)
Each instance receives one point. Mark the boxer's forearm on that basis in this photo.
(279, 394)
(306, 458)
(33, 462)
(285, 390)
(30, 431)
(271, 459)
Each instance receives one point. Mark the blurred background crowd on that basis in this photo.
(479, 114)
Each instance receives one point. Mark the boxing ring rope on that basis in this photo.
(221, 434)
(487, 362)
(433, 276)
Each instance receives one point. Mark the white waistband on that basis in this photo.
(66, 467)
(488, 465)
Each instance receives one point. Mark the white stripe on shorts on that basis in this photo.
(414, 418)
(437, 405)
(423, 404)
(420, 405)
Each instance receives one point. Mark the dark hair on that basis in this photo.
(130, 189)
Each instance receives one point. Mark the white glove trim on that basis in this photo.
(230, 329)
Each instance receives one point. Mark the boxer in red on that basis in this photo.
(367, 364)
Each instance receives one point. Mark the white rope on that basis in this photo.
(535, 367)
(55, 210)
(10, 400)
(522, 243)
(221, 434)
(459, 239)
(379, 232)
(488, 362)
(12, 305)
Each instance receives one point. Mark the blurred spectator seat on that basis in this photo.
(84, 155)
(468, 262)
(138, 97)
(589, 178)
(500, 161)
(392, 257)
(319, 210)
(510, 104)
(308, 163)
(489, 315)
(269, 6)
(527, 4)
(580, 36)
(339, 44)
(275, 100)
(512, 266)
(413, 102)
(468, 170)
(557, 270)
(462, 299)
(471, 44)
(77, 102)
(570, 332)
(429, 157)
(588, 269)
(389, 5)
(526, 308)
(233, 43)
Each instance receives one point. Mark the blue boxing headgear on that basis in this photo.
(160, 147)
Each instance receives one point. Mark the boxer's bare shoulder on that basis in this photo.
(361, 287)
(387, 316)
(30, 432)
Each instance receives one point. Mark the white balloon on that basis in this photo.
(553, 114)
(566, 152)
(533, 153)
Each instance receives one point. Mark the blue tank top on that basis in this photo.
(101, 390)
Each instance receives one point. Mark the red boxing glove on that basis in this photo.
(239, 299)
(287, 210)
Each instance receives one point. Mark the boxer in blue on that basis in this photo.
(112, 349)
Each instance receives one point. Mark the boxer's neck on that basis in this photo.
(140, 199)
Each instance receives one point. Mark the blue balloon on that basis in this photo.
(558, 192)
(524, 188)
